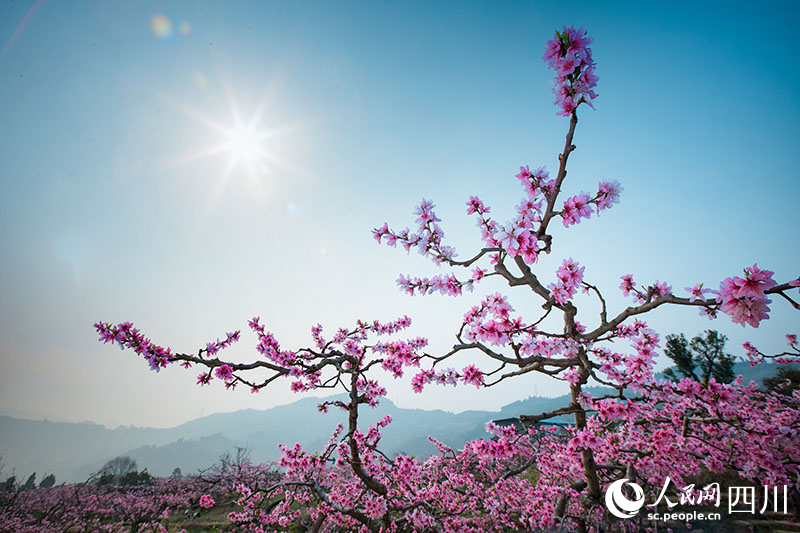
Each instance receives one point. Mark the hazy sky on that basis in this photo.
(120, 200)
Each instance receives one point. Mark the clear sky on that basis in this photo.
(121, 197)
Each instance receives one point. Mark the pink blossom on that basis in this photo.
(570, 276)
(627, 284)
(475, 205)
(572, 375)
(535, 182)
(419, 381)
(698, 292)
(206, 501)
(472, 375)
(224, 372)
(575, 208)
(375, 508)
(509, 238)
(380, 232)
(608, 194)
(709, 312)
(478, 273)
(753, 355)
(570, 56)
(661, 289)
(744, 300)
(524, 173)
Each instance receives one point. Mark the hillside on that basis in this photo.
(72, 451)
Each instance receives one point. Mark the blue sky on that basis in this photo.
(115, 208)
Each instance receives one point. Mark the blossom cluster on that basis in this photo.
(89, 506)
(446, 284)
(744, 299)
(469, 375)
(756, 356)
(643, 294)
(568, 53)
(579, 206)
(428, 238)
(491, 321)
(400, 354)
(520, 237)
(206, 501)
(570, 276)
(158, 357)
(420, 494)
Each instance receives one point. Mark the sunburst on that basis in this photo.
(253, 148)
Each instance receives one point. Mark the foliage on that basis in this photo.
(48, 481)
(30, 484)
(644, 431)
(785, 381)
(705, 354)
(119, 466)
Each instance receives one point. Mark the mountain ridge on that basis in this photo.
(73, 451)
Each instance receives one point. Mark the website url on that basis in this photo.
(681, 517)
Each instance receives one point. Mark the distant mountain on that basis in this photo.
(73, 451)
(68, 450)
(188, 455)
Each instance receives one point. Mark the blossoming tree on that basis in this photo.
(645, 430)
(103, 503)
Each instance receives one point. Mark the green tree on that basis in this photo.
(785, 381)
(133, 478)
(119, 466)
(105, 479)
(48, 481)
(701, 359)
(31, 483)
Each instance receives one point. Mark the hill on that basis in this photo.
(72, 451)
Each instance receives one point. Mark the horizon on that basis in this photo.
(5, 412)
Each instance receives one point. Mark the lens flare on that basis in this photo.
(161, 26)
(199, 80)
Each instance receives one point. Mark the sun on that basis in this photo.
(253, 148)
(246, 143)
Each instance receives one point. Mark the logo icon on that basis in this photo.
(618, 504)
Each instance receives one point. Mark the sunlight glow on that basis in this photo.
(253, 149)
(245, 142)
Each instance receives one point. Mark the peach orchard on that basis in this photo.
(644, 430)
